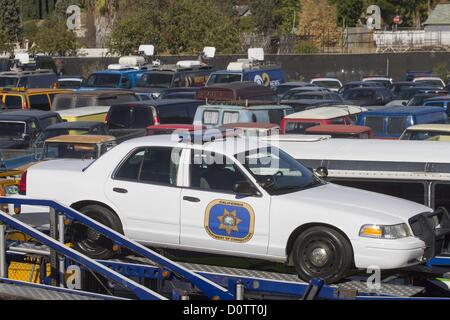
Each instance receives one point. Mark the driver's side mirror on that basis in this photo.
(245, 188)
(321, 172)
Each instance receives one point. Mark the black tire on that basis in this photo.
(89, 242)
(321, 252)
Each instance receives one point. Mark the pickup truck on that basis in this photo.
(228, 196)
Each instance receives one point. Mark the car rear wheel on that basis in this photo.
(321, 252)
(90, 242)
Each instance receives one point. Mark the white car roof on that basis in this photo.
(323, 113)
(325, 79)
(370, 150)
(426, 78)
(230, 146)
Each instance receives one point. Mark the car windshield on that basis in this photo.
(277, 172)
(156, 80)
(55, 150)
(328, 84)
(12, 129)
(281, 90)
(69, 84)
(104, 80)
(9, 82)
(224, 78)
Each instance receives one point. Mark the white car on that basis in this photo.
(227, 197)
(333, 84)
(430, 81)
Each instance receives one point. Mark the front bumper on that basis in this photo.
(388, 254)
(433, 228)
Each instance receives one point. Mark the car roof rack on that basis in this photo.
(201, 137)
(241, 103)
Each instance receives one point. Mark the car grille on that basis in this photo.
(433, 228)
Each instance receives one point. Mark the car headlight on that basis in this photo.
(397, 231)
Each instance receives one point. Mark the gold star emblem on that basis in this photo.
(229, 221)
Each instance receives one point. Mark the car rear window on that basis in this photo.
(396, 125)
(376, 123)
(174, 114)
(39, 102)
(119, 118)
(299, 127)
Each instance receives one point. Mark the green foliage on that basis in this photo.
(442, 70)
(54, 39)
(306, 47)
(5, 44)
(10, 20)
(176, 26)
(278, 16)
(348, 11)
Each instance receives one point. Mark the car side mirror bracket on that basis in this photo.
(246, 189)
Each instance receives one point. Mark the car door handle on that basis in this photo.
(120, 190)
(191, 199)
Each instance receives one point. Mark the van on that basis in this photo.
(33, 99)
(217, 115)
(116, 77)
(184, 74)
(297, 123)
(391, 122)
(147, 113)
(80, 99)
(253, 69)
(28, 79)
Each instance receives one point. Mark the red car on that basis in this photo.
(297, 123)
(342, 131)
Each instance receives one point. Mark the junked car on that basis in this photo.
(227, 197)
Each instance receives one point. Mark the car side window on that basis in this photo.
(153, 165)
(39, 102)
(214, 172)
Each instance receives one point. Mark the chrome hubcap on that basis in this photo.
(319, 257)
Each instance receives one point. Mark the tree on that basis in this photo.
(54, 39)
(6, 45)
(10, 20)
(176, 26)
(274, 16)
(318, 20)
(348, 11)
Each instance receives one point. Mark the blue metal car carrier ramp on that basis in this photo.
(63, 213)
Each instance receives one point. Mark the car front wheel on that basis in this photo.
(322, 252)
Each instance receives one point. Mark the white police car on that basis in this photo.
(230, 198)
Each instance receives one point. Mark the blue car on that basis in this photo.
(391, 122)
(116, 77)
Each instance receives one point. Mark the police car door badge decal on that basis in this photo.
(230, 221)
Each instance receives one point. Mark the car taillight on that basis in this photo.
(23, 184)
(155, 120)
(107, 118)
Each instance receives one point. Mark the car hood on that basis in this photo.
(360, 202)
